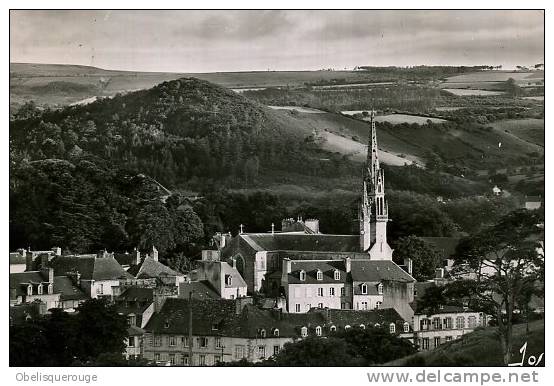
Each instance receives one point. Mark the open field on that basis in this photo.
(530, 130)
(494, 76)
(481, 347)
(300, 109)
(475, 92)
(397, 118)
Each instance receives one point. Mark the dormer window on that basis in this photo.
(363, 288)
(262, 333)
(377, 325)
(39, 289)
(319, 275)
(166, 324)
(406, 327)
(302, 275)
(362, 326)
(380, 289)
(276, 332)
(228, 280)
(347, 327)
(337, 274)
(333, 328)
(304, 332)
(132, 320)
(392, 328)
(29, 290)
(50, 289)
(318, 330)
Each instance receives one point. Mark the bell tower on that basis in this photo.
(374, 211)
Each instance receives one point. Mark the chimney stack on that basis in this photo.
(28, 261)
(408, 262)
(272, 228)
(154, 253)
(347, 264)
(57, 251)
(137, 257)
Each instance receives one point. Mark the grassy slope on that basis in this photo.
(530, 130)
(483, 347)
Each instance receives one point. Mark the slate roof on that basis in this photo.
(137, 294)
(62, 285)
(311, 268)
(125, 258)
(90, 267)
(302, 242)
(150, 268)
(16, 258)
(67, 290)
(218, 318)
(17, 279)
(201, 290)
(378, 270)
(444, 245)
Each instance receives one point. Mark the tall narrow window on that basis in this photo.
(304, 332)
(302, 276)
(337, 274)
(392, 328)
(318, 330)
(363, 288)
(319, 275)
(380, 289)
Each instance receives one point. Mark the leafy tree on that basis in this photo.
(315, 351)
(375, 345)
(424, 257)
(508, 259)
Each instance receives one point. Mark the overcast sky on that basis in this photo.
(206, 41)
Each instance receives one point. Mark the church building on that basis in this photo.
(315, 270)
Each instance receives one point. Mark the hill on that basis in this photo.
(480, 347)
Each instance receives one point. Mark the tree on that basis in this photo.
(314, 351)
(424, 258)
(508, 259)
(512, 87)
(99, 329)
(375, 345)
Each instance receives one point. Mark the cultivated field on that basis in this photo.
(471, 92)
(530, 130)
(397, 118)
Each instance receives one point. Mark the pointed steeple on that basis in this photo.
(373, 207)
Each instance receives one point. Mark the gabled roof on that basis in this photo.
(219, 318)
(444, 245)
(18, 279)
(150, 268)
(302, 242)
(201, 290)
(16, 258)
(378, 270)
(67, 290)
(137, 294)
(311, 267)
(90, 267)
(237, 281)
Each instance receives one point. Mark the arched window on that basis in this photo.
(333, 328)
(406, 327)
(347, 327)
(337, 274)
(392, 328)
(304, 332)
(319, 275)
(50, 289)
(262, 333)
(376, 325)
(39, 289)
(228, 280)
(302, 275)
(362, 326)
(380, 289)
(318, 330)
(29, 289)
(363, 288)
(276, 332)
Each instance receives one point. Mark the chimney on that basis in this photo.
(154, 253)
(222, 241)
(347, 264)
(287, 266)
(408, 262)
(50, 275)
(137, 257)
(22, 252)
(272, 228)
(57, 251)
(28, 261)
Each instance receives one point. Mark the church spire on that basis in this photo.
(374, 207)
